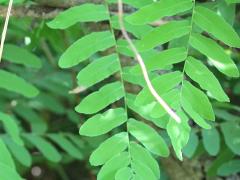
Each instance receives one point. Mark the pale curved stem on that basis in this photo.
(143, 67)
(4, 33)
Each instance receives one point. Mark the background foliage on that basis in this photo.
(191, 53)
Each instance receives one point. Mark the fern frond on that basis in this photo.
(205, 19)
(120, 155)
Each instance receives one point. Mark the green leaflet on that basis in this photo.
(38, 125)
(103, 123)
(211, 141)
(83, 13)
(124, 173)
(66, 145)
(8, 173)
(109, 148)
(231, 132)
(98, 70)
(11, 126)
(85, 47)
(198, 72)
(47, 149)
(6, 157)
(197, 105)
(158, 10)
(191, 146)
(163, 34)
(229, 168)
(109, 169)
(162, 84)
(16, 84)
(216, 25)
(136, 4)
(19, 152)
(179, 133)
(163, 59)
(137, 31)
(148, 137)
(101, 98)
(194, 115)
(140, 154)
(142, 171)
(19, 55)
(215, 54)
(198, 100)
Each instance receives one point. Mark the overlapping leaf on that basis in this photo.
(109, 148)
(216, 25)
(148, 137)
(171, 30)
(198, 72)
(101, 98)
(215, 53)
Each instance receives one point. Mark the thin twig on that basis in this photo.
(143, 67)
(77, 90)
(4, 33)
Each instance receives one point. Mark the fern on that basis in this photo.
(20, 96)
(186, 90)
(181, 55)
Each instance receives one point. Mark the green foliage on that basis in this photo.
(191, 99)
(188, 49)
